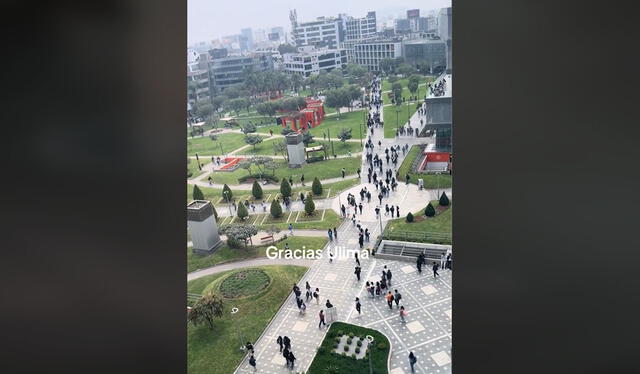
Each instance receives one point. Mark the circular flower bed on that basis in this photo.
(244, 283)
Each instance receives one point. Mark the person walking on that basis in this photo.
(285, 354)
(287, 342)
(442, 261)
(358, 305)
(279, 341)
(448, 262)
(249, 347)
(396, 297)
(252, 362)
(290, 229)
(435, 269)
(321, 316)
(335, 233)
(292, 359)
(343, 172)
(357, 272)
(330, 233)
(357, 260)
(419, 263)
(403, 314)
(397, 210)
(412, 361)
(389, 298)
(316, 295)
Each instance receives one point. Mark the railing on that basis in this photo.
(418, 236)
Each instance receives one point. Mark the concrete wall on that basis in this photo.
(439, 110)
(204, 234)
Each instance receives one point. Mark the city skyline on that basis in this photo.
(209, 21)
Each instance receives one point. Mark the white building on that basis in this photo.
(308, 63)
(324, 32)
(370, 53)
(198, 88)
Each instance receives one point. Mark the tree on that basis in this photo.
(285, 188)
(316, 186)
(267, 108)
(241, 231)
(281, 148)
(249, 128)
(246, 164)
(357, 74)
(228, 195)
(309, 205)
(218, 102)
(413, 84)
(242, 211)
(296, 81)
(256, 190)
(337, 98)
(253, 139)
(444, 199)
(238, 104)
(286, 130)
(406, 69)
(197, 193)
(235, 92)
(386, 65)
(276, 209)
(208, 307)
(344, 135)
(429, 211)
(396, 88)
(307, 138)
(409, 217)
(335, 78)
(287, 48)
(205, 110)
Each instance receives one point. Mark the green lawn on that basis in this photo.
(440, 223)
(227, 254)
(206, 146)
(264, 220)
(322, 169)
(326, 357)
(216, 351)
(215, 194)
(193, 165)
(332, 125)
(431, 181)
(266, 147)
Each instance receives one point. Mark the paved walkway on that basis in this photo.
(427, 299)
(248, 186)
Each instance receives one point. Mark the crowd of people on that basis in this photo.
(439, 88)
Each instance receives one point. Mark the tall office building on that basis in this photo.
(324, 32)
(246, 39)
(444, 31)
(230, 70)
(198, 87)
(369, 53)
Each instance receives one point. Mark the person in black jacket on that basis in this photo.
(279, 341)
(292, 359)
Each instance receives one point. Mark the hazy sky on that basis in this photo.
(211, 19)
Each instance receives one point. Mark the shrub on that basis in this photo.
(337, 339)
(227, 196)
(242, 211)
(346, 348)
(270, 178)
(351, 335)
(340, 332)
(197, 193)
(335, 346)
(357, 349)
(349, 340)
(276, 209)
(344, 354)
(316, 186)
(321, 350)
(353, 355)
(444, 199)
(429, 211)
(409, 217)
(359, 343)
(256, 190)
(285, 188)
(309, 205)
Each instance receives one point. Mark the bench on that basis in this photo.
(269, 237)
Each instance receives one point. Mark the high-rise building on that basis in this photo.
(425, 50)
(246, 39)
(229, 71)
(324, 32)
(444, 31)
(369, 53)
(311, 62)
(356, 31)
(198, 85)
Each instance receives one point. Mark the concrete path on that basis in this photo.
(248, 186)
(427, 299)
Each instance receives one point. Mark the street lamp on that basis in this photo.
(226, 193)
(370, 340)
